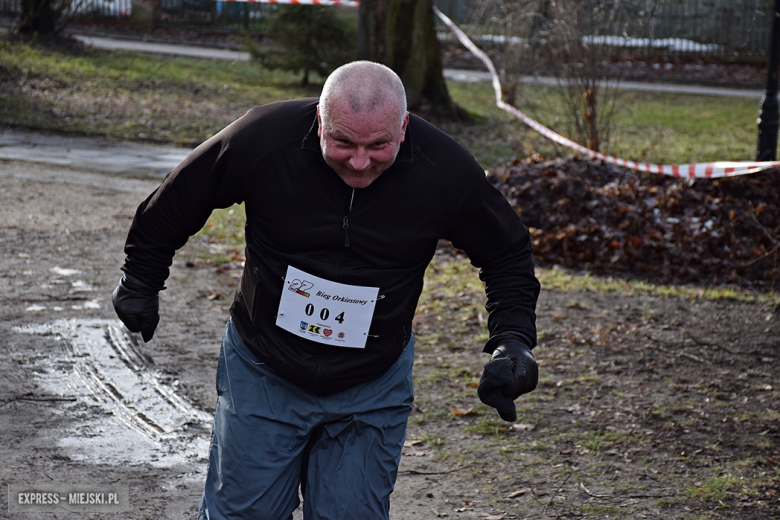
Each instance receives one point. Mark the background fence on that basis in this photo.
(725, 28)
(210, 12)
(9, 7)
(112, 9)
(177, 12)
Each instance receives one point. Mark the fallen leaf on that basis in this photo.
(415, 453)
(519, 492)
(461, 411)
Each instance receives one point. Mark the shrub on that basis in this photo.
(307, 39)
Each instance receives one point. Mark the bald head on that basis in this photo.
(362, 86)
(361, 121)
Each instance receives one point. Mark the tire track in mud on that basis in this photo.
(127, 410)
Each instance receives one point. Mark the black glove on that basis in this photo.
(510, 373)
(137, 305)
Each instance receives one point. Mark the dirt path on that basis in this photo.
(60, 251)
(648, 407)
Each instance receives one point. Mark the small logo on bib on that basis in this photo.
(300, 287)
(327, 332)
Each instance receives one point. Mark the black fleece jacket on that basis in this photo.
(298, 214)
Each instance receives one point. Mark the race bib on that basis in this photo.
(324, 311)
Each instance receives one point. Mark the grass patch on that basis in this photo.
(446, 280)
(485, 425)
(226, 226)
(714, 489)
(596, 442)
(653, 127)
(671, 128)
(132, 96)
(221, 240)
(604, 509)
(564, 281)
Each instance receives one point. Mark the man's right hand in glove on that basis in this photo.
(137, 305)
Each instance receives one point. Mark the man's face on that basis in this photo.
(360, 146)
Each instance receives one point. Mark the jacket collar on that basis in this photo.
(311, 143)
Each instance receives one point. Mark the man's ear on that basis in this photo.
(319, 122)
(403, 127)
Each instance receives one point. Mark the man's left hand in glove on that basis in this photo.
(510, 373)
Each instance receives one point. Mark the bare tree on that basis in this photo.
(582, 65)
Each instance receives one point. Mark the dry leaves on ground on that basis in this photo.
(587, 214)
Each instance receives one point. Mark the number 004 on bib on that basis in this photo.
(324, 311)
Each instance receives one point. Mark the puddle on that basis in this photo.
(127, 410)
(64, 272)
(90, 153)
(81, 286)
(90, 304)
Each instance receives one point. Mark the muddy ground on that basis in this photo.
(648, 407)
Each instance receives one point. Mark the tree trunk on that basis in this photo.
(401, 35)
(36, 16)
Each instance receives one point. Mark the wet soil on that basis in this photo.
(648, 407)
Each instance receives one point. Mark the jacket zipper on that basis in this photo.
(345, 222)
(336, 269)
(345, 227)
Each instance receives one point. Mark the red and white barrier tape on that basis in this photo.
(698, 170)
(347, 3)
